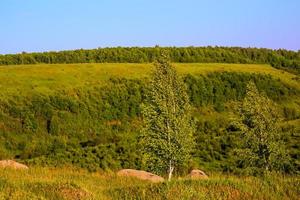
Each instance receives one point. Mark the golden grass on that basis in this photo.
(70, 183)
(46, 78)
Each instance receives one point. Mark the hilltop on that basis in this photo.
(281, 59)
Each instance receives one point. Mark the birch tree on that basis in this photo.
(261, 147)
(167, 136)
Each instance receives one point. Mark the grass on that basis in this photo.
(46, 78)
(70, 183)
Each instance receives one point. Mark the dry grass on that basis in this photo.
(69, 183)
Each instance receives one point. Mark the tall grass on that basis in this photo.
(70, 183)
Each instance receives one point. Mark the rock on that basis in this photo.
(139, 174)
(197, 174)
(12, 164)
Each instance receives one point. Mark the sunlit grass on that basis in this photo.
(70, 183)
(46, 78)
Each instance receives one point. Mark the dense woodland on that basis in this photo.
(99, 128)
(284, 59)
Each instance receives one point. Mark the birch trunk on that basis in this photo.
(170, 171)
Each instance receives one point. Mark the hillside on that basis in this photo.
(46, 79)
(150, 100)
(88, 115)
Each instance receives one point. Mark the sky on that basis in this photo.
(53, 25)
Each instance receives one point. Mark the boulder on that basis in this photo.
(197, 174)
(139, 174)
(12, 164)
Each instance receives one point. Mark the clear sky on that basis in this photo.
(44, 25)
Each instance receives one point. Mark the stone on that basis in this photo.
(197, 174)
(12, 164)
(139, 174)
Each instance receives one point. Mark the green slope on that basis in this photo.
(75, 113)
(25, 79)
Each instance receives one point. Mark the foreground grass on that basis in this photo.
(46, 78)
(46, 183)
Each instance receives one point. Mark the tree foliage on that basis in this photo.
(86, 119)
(262, 149)
(167, 139)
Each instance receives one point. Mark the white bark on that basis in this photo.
(171, 168)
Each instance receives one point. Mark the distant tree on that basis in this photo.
(261, 148)
(167, 137)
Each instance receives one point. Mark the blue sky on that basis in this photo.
(44, 25)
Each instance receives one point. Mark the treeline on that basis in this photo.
(98, 128)
(284, 59)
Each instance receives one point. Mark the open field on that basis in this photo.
(25, 79)
(68, 183)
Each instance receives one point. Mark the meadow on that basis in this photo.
(48, 78)
(72, 183)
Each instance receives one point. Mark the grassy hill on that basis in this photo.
(48, 78)
(88, 116)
